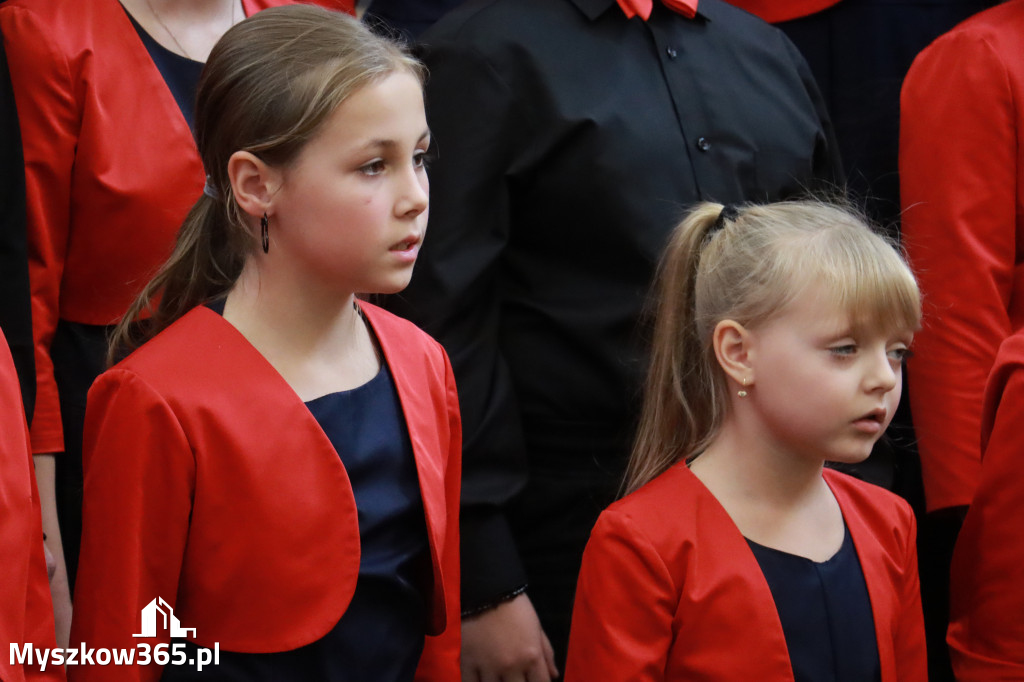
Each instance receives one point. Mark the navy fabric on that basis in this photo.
(180, 73)
(825, 612)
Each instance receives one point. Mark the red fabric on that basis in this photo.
(26, 612)
(643, 8)
(986, 632)
(669, 589)
(111, 168)
(962, 187)
(774, 11)
(209, 483)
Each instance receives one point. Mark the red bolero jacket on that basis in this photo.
(670, 591)
(986, 632)
(210, 484)
(962, 189)
(111, 168)
(26, 612)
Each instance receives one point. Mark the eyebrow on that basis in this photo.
(382, 143)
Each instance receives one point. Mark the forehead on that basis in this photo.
(388, 110)
(822, 312)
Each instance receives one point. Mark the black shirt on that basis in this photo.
(569, 142)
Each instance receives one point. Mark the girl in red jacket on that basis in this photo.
(277, 466)
(736, 555)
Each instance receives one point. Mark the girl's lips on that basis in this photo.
(406, 244)
(407, 251)
(868, 425)
(872, 422)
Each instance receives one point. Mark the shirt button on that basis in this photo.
(703, 144)
(671, 52)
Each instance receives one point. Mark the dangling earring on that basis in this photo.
(265, 232)
(742, 392)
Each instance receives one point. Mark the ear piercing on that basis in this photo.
(265, 232)
(743, 392)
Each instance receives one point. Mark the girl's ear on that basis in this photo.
(253, 182)
(733, 344)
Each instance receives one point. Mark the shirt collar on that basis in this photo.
(595, 8)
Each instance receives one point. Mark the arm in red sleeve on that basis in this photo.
(959, 186)
(986, 632)
(625, 601)
(139, 484)
(44, 92)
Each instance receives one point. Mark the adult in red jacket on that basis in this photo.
(962, 183)
(104, 91)
(986, 633)
(26, 613)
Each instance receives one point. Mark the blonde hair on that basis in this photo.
(747, 269)
(269, 85)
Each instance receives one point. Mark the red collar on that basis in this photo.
(632, 8)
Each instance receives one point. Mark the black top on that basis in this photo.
(587, 137)
(180, 73)
(825, 612)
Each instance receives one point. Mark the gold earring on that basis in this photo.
(742, 392)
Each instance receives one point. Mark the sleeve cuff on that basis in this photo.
(491, 567)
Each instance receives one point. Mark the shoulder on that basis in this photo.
(673, 506)
(64, 22)
(995, 34)
(875, 505)
(503, 20)
(412, 354)
(197, 346)
(391, 327)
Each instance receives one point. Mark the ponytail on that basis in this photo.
(678, 418)
(207, 259)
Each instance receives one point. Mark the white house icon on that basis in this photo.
(170, 622)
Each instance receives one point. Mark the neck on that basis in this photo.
(313, 337)
(298, 317)
(187, 27)
(742, 463)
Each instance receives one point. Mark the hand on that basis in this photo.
(507, 644)
(51, 563)
(53, 548)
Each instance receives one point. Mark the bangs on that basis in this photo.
(866, 277)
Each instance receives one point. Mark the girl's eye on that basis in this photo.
(844, 350)
(900, 355)
(375, 167)
(422, 159)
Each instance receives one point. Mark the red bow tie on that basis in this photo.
(631, 8)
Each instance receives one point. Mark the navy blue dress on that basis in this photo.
(380, 637)
(825, 612)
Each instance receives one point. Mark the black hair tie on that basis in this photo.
(729, 212)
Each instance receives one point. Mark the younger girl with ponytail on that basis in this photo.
(278, 463)
(736, 555)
